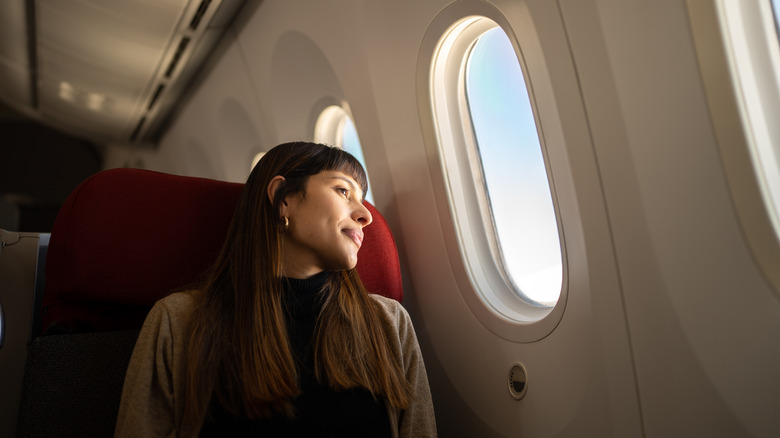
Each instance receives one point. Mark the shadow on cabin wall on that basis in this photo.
(40, 168)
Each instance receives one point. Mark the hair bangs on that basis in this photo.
(342, 161)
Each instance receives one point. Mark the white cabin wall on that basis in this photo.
(705, 325)
(582, 377)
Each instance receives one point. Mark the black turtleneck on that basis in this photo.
(319, 410)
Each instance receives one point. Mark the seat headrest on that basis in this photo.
(126, 238)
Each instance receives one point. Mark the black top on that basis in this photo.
(319, 410)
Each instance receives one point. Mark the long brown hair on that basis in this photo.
(239, 350)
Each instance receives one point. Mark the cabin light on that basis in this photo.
(67, 91)
(95, 101)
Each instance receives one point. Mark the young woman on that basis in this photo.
(282, 339)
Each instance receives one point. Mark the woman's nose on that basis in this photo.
(363, 216)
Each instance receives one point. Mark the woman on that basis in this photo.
(282, 339)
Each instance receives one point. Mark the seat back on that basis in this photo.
(124, 239)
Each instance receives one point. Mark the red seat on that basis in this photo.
(126, 238)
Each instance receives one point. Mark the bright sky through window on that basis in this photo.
(776, 7)
(513, 168)
(770, 152)
(351, 144)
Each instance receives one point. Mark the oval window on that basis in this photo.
(513, 169)
(496, 178)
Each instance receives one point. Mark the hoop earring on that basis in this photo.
(286, 225)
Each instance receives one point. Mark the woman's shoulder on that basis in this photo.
(391, 310)
(177, 299)
(168, 319)
(172, 309)
(385, 303)
(175, 303)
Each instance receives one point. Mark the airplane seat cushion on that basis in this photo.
(378, 264)
(126, 238)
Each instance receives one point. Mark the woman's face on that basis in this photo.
(326, 225)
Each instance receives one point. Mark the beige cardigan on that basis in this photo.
(152, 398)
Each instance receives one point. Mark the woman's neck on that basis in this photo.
(313, 283)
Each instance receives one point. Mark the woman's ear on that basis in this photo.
(275, 184)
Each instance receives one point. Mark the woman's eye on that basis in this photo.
(343, 191)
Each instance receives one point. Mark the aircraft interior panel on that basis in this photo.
(639, 136)
(676, 235)
(668, 318)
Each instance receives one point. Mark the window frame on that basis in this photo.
(475, 255)
(329, 125)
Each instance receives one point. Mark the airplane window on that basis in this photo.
(513, 168)
(771, 155)
(335, 127)
(256, 159)
(776, 7)
(752, 30)
(737, 47)
(495, 176)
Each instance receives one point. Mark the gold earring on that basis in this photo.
(286, 224)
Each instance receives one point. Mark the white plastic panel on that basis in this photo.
(19, 259)
(704, 323)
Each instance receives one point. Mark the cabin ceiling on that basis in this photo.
(106, 70)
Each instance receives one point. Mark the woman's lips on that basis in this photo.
(356, 236)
